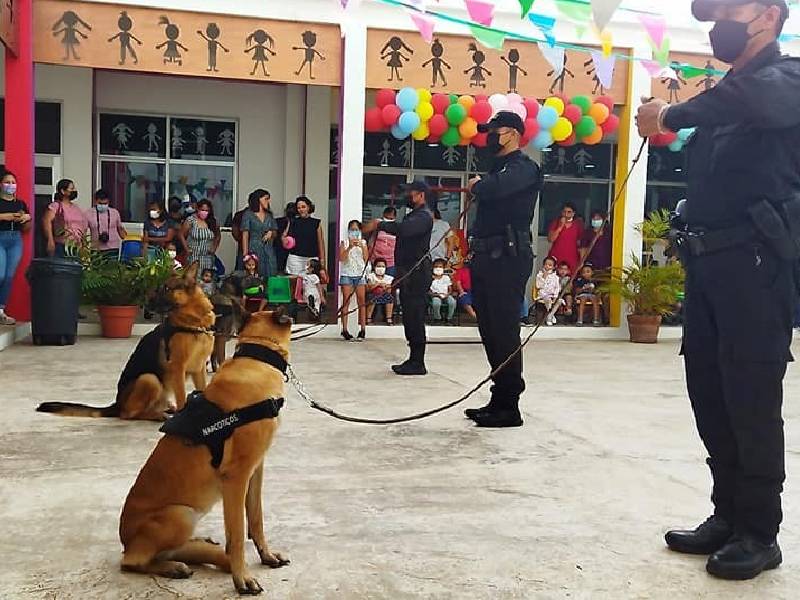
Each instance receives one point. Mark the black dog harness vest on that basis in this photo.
(202, 422)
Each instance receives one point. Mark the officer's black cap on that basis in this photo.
(417, 186)
(504, 119)
(703, 10)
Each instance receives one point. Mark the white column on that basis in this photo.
(295, 141)
(317, 158)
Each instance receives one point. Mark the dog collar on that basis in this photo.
(263, 354)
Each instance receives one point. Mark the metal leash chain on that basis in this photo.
(336, 415)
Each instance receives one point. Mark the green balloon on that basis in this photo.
(453, 98)
(584, 102)
(585, 127)
(455, 114)
(451, 137)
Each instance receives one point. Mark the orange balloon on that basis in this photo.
(599, 112)
(595, 138)
(464, 141)
(467, 102)
(469, 128)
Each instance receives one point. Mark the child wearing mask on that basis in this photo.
(586, 293)
(353, 256)
(441, 292)
(548, 287)
(379, 291)
(207, 282)
(252, 284)
(313, 292)
(172, 252)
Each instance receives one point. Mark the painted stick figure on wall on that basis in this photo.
(152, 138)
(513, 69)
(200, 140)
(392, 51)
(582, 159)
(125, 36)
(262, 46)
(309, 52)
(177, 140)
(70, 21)
(709, 81)
(592, 70)
(225, 142)
(171, 54)
(436, 62)
(211, 36)
(674, 84)
(477, 72)
(561, 79)
(385, 154)
(123, 134)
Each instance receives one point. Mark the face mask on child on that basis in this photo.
(438, 271)
(154, 214)
(354, 234)
(380, 271)
(173, 254)
(10, 189)
(597, 223)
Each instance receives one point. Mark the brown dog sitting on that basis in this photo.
(156, 371)
(213, 449)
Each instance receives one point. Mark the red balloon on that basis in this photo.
(438, 125)
(480, 140)
(481, 98)
(611, 124)
(532, 106)
(440, 103)
(669, 137)
(573, 112)
(570, 141)
(384, 98)
(433, 139)
(607, 100)
(373, 120)
(390, 114)
(531, 128)
(524, 141)
(481, 112)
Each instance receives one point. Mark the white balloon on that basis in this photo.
(514, 99)
(498, 102)
(520, 110)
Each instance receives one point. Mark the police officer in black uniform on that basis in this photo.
(413, 269)
(502, 263)
(739, 247)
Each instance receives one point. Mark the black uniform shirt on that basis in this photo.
(413, 237)
(747, 145)
(507, 195)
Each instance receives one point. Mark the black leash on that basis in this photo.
(337, 415)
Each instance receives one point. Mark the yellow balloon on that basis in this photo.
(556, 103)
(595, 138)
(467, 102)
(424, 95)
(562, 129)
(422, 132)
(599, 112)
(469, 128)
(425, 111)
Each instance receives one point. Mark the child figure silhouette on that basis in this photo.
(70, 21)
(392, 51)
(171, 54)
(437, 51)
(125, 36)
(513, 69)
(310, 52)
(477, 73)
(211, 36)
(260, 49)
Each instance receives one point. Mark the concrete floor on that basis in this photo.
(573, 505)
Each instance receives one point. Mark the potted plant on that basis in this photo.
(650, 290)
(119, 288)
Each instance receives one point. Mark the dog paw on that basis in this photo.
(274, 560)
(177, 570)
(247, 586)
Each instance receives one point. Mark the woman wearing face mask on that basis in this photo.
(158, 233)
(200, 233)
(14, 219)
(564, 234)
(259, 229)
(105, 225)
(600, 256)
(64, 220)
(353, 255)
(306, 231)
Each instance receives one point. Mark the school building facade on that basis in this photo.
(213, 99)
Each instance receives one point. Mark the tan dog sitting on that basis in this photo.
(181, 481)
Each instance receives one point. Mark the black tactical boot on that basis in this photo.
(499, 418)
(415, 365)
(707, 538)
(744, 557)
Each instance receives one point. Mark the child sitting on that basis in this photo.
(207, 282)
(548, 287)
(379, 291)
(313, 292)
(441, 292)
(586, 293)
(565, 281)
(462, 287)
(252, 284)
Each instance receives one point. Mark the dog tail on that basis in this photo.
(70, 409)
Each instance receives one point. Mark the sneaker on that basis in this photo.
(579, 324)
(597, 323)
(5, 319)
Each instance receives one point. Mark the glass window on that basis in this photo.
(438, 157)
(384, 150)
(132, 185)
(133, 135)
(47, 132)
(193, 139)
(448, 197)
(585, 196)
(579, 161)
(663, 196)
(214, 183)
(381, 190)
(665, 165)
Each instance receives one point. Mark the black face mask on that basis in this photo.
(729, 39)
(73, 194)
(410, 202)
(493, 144)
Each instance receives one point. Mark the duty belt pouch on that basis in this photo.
(512, 246)
(772, 228)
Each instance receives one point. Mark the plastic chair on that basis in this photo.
(279, 290)
(130, 249)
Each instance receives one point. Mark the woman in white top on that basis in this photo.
(353, 256)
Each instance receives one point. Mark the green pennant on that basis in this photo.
(577, 12)
(690, 71)
(525, 5)
(487, 37)
(661, 55)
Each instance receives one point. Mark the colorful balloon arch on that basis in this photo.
(453, 120)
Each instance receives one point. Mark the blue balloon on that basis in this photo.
(547, 118)
(408, 122)
(399, 133)
(407, 99)
(544, 139)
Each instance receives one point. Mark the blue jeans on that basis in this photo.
(10, 255)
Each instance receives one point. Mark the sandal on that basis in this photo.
(390, 321)
(346, 335)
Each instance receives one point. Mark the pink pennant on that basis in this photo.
(604, 68)
(655, 26)
(344, 3)
(424, 24)
(480, 11)
(653, 67)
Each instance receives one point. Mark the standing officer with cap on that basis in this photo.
(411, 252)
(740, 248)
(502, 262)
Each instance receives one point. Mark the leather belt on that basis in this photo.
(700, 242)
(498, 243)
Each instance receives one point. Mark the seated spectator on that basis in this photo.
(548, 287)
(312, 290)
(105, 225)
(586, 293)
(600, 255)
(207, 282)
(462, 288)
(441, 292)
(383, 243)
(252, 285)
(172, 252)
(565, 281)
(379, 290)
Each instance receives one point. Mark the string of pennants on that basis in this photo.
(585, 15)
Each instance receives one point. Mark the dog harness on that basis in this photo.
(203, 422)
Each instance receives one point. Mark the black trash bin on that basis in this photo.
(55, 299)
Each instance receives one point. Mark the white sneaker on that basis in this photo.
(5, 319)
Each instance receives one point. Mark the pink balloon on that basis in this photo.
(524, 141)
(573, 113)
(373, 120)
(481, 98)
(531, 128)
(532, 106)
(438, 125)
(480, 140)
(390, 114)
(384, 97)
(608, 101)
(520, 110)
(514, 99)
(440, 103)
(481, 112)
(611, 124)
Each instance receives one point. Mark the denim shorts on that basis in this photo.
(352, 281)
(465, 300)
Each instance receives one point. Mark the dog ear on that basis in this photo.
(190, 273)
(281, 317)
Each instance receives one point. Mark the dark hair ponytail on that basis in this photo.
(62, 185)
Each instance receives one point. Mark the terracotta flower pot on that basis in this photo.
(117, 321)
(644, 328)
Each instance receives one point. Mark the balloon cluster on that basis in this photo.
(674, 141)
(453, 120)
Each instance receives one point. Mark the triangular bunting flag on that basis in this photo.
(576, 12)
(652, 67)
(655, 27)
(480, 11)
(525, 5)
(661, 54)
(424, 24)
(690, 71)
(486, 37)
(603, 10)
(546, 25)
(607, 42)
(604, 68)
(554, 55)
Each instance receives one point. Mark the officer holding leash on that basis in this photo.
(740, 247)
(502, 262)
